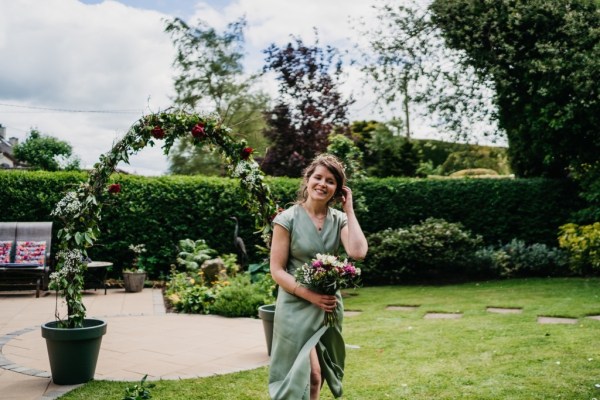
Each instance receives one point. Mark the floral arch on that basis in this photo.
(80, 210)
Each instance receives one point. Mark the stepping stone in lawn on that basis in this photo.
(596, 317)
(556, 320)
(401, 308)
(352, 313)
(433, 315)
(504, 310)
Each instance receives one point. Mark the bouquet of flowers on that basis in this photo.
(326, 274)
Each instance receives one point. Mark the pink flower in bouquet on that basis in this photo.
(349, 269)
(327, 274)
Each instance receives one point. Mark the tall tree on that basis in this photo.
(210, 76)
(346, 150)
(308, 108)
(410, 68)
(543, 58)
(390, 155)
(46, 152)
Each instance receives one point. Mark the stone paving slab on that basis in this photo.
(556, 320)
(504, 310)
(443, 316)
(401, 308)
(352, 313)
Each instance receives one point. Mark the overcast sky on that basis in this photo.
(84, 70)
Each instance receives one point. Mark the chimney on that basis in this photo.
(13, 141)
(2, 132)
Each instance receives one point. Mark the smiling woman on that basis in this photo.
(304, 351)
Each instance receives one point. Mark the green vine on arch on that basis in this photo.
(80, 210)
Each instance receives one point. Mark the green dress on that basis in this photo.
(298, 324)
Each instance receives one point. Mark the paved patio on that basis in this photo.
(141, 339)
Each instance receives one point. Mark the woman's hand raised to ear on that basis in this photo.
(347, 199)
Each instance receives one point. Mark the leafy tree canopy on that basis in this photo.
(309, 106)
(210, 75)
(543, 58)
(411, 69)
(46, 153)
(388, 154)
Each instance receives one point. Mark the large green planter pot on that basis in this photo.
(134, 281)
(267, 314)
(73, 352)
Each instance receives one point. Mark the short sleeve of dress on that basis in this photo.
(285, 219)
(340, 217)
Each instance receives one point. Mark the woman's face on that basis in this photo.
(321, 184)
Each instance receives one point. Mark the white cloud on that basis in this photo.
(64, 54)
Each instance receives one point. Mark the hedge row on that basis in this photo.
(498, 209)
(160, 211)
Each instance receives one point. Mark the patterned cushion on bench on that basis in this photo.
(30, 253)
(5, 248)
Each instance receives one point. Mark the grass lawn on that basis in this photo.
(399, 354)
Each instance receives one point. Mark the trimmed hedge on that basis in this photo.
(160, 211)
(498, 209)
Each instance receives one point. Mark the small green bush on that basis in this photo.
(434, 248)
(474, 172)
(139, 391)
(517, 259)
(193, 253)
(241, 297)
(582, 242)
(187, 293)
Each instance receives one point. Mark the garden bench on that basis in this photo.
(25, 254)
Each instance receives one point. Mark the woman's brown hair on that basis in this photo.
(334, 165)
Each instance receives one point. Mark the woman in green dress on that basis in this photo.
(304, 352)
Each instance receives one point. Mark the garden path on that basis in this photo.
(141, 339)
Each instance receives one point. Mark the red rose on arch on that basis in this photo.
(198, 131)
(114, 188)
(158, 132)
(246, 151)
